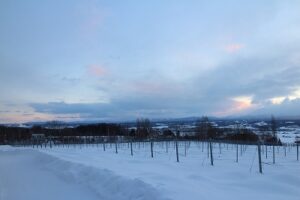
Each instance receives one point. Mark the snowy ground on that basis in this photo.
(87, 172)
(288, 134)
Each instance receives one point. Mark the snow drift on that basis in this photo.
(28, 174)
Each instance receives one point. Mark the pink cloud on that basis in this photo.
(235, 106)
(234, 47)
(21, 118)
(96, 70)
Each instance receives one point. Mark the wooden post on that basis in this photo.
(297, 152)
(176, 145)
(237, 152)
(131, 151)
(273, 154)
(116, 145)
(50, 142)
(211, 154)
(259, 158)
(185, 148)
(284, 150)
(151, 144)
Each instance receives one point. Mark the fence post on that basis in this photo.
(273, 154)
(284, 150)
(176, 145)
(297, 152)
(185, 148)
(237, 152)
(116, 145)
(50, 142)
(131, 151)
(259, 158)
(211, 154)
(151, 144)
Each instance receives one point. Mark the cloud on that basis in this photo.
(118, 109)
(237, 105)
(277, 100)
(25, 117)
(233, 48)
(96, 70)
(173, 64)
(219, 91)
(68, 108)
(286, 108)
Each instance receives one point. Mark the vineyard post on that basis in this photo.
(297, 151)
(151, 144)
(176, 145)
(259, 158)
(116, 145)
(237, 152)
(211, 154)
(131, 151)
(273, 154)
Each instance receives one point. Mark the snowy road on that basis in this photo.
(31, 175)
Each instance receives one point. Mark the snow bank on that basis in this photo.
(106, 184)
(38, 171)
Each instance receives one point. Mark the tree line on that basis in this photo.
(143, 130)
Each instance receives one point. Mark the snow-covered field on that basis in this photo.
(289, 134)
(88, 172)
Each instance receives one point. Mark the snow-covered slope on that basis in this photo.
(32, 175)
(105, 175)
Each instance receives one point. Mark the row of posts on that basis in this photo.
(209, 150)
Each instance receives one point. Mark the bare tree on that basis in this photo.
(204, 129)
(273, 127)
(143, 128)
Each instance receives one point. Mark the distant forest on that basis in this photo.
(143, 130)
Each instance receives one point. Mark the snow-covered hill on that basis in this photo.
(88, 172)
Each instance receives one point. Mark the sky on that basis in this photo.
(74, 60)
